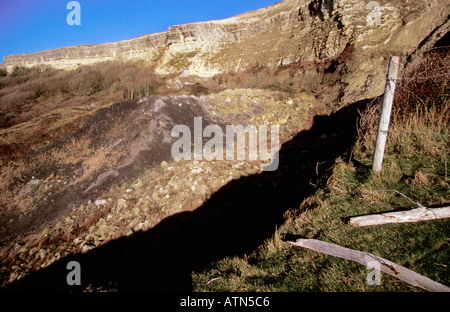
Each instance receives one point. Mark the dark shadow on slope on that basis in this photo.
(234, 221)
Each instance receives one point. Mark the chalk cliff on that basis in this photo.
(360, 34)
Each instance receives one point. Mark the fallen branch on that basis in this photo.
(368, 259)
(414, 215)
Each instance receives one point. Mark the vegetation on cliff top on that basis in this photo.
(415, 171)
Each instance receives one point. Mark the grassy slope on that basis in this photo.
(415, 171)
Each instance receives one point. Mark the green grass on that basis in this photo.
(351, 190)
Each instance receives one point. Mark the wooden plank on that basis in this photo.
(368, 259)
(414, 215)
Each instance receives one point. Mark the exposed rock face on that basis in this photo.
(360, 34)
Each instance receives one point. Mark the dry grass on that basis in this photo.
(291, 79)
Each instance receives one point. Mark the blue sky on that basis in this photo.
(32, 26)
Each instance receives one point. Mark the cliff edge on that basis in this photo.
(359, 35)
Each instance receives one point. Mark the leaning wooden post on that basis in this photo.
(385, 113)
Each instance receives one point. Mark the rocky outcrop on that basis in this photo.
(352, 36)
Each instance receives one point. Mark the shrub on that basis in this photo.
(88, 83)
(199, 89)
(146, 89)
(425, 87)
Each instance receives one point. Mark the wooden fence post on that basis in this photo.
(385, 114)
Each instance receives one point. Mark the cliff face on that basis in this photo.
(360, 34)
(192, 41)
(72, 57)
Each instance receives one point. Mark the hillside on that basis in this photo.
(87, 172)
(317, 34)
